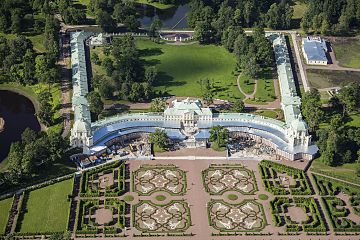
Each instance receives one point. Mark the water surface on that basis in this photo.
(171, 18)
(19, 114)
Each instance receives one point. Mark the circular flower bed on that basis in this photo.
(232, 197)
(263, 197)
(160, 197)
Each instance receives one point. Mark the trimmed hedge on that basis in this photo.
(278, 208)
(338, 215)
(110, 191)
(269, 169)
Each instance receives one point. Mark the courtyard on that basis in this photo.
(180, 67)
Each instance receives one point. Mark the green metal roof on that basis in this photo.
(290, 101)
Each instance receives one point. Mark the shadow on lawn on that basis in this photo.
(165, 80)
(148, 52)
(151, 62)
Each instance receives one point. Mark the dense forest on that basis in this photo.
(331, 16)
(215, 17)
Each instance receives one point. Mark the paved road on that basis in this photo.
(303, 77)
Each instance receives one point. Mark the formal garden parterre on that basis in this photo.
(283, 180)
(152, 217)
(342, 203)
(297, 214)
(106, 216)
(244, 217)
(104, 210)
(171, 217)
(154, 178)
(106, 181)
(219, 179)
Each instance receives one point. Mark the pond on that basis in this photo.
(19, 114)
(171, 18)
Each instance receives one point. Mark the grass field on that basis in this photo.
(345, 172)
(269, 113)
(327, 78)
(5, 206)
(154, 4)
(299, 10)
(265, 90)
(37, 40)
(355, 119)
(180, 67)
(47, 209)
(248, 88)
(348, 53)
(325, 97)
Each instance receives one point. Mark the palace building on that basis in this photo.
(187, 121)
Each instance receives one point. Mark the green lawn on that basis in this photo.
(265, 90)
(299, 10)
(248, 87)
(5, 207)
(345, 172)
(325, 97)
(355, 119)
(98, 69)
(327, 78)
(37, 40)
(180, 67)
(269, 113)
(348, 53)
(47, 209)
(154, 4)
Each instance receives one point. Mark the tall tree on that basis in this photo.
(207, 90)
(159, 138)
(219, 135)
(95, 102)
(158, 105)
(311, 109)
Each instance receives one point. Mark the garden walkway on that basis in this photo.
(270, 105)
(247, 96)
(15, 209)
(65, 99)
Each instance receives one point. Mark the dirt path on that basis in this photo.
(304, 79)
(65, 100)
(270, 105)
(247, 96)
